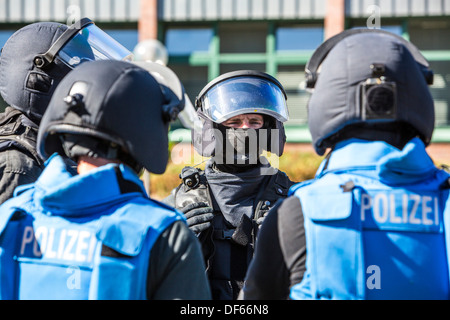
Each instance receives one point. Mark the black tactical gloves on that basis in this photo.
(198, 215)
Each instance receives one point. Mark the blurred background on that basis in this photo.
(201, 39)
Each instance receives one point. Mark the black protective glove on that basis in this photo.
(262, 216)
(199, 216)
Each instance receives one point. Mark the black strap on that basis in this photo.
(42, 60)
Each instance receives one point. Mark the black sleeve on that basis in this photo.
(176, 269)
(280, 254)
(291, 229)
(170, 199)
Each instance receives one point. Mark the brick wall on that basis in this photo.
(148, 20)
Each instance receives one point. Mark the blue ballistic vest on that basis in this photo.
(79, 236)
(375, 220)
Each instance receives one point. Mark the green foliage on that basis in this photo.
(299, 165)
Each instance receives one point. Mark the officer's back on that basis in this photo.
(372, 223)
(92, 232)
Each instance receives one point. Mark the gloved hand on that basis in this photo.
(199, 216)
(260, 220)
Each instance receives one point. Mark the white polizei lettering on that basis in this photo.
(27, 238)
(82, 245)
(436, 211)
(73, 235)
(64, 244)
(366, 204)
(412, 216)
(380, 215)
(415, 209)
(393, 218)
(426, 210)
(405, 208)
(92, 244)
(62, 241)
(41, 236)
(49, 253)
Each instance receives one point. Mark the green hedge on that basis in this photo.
(299, 165)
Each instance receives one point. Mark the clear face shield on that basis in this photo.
(83, 41)
(236, 93)
(244, 95)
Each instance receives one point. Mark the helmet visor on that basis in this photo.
(92, 43)
(241, 95)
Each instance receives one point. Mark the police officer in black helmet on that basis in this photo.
(241, 114)
(32, 63)
(373, 222)
(93, 232)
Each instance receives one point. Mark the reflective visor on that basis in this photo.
(241, 95)
(92, 43)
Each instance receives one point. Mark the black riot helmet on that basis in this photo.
(111, 109)
(236, 93)
(36, 57)
(369, 84)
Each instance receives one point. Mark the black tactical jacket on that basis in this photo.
(228, 250)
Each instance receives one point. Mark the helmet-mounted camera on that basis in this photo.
(378, 95)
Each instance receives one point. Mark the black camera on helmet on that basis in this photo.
(378, 96)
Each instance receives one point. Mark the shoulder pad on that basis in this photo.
(283, 180)
(299, 185)
(334, 194)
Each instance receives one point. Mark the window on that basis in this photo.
(393, 27)
(431, 37)
(188, 40)
(398, 30)
(430, 34)
(194, 78)
(243, 38)
(4, 36)
(292, 77)
(298, 38)
(127, 38)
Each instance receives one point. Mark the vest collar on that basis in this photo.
(391, 164)
(62, 191)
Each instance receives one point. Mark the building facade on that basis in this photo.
(206, 38)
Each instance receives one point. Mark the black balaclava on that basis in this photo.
(239, 149)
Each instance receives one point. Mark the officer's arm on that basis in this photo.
(16, 168)
(267, 276)
(176, 269)
(292, 238)
(280, 254)
(170, 199)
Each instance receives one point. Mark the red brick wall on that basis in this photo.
(148, 20)
(334, 17)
